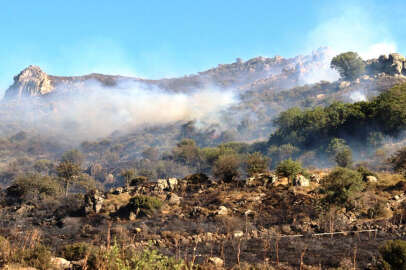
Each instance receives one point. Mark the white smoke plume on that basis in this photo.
(95, 111)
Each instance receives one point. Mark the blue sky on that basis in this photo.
(157, 39)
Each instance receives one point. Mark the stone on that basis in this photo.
(238, 234)
(132, 216)
(315, 178)
(301, 181)
(249, 213)
(118, 190)
(216, 261)
(60, 263)
(93, 202)
(173, 199)
(162, 184)
(172, 183)
(222, 211)
(371, 179)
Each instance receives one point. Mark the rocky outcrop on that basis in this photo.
(93, 202)
(393, 64)
(32, 81)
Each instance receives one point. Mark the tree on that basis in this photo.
(340, 152)
(342, 186)
(187, 152)
(73, 156)
(128, 175)
(69, 171)
(289, 168)
(349, 65)
(393, 252)
(398, 161)
(226, 168)
(256, 163)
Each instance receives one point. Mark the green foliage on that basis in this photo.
(256, 163)
(342, 186)
(69, 171)
(76, 251)
(120, 258)
(226, 168)
(384, 115)
(398, 161)
(393, 253)
(289, 168)
(138, 180)
(340, 152)
(73, 156)
(145, 205)
(349, 65)
(128, 175)
(38, 256)
(187, 152)
(365, 172)
(34, 187)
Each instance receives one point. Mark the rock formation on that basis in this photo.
(32, 81)
(394, 64)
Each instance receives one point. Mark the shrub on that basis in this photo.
(342, 186)
(38, 256)
(119, 258)
(340, 152)
(289, 168)
(226, 168)
(349, 65)
(145, 205)
(398, 161)
(393, 252)
(138, 180)
(256, 163)
(34, 187)
(76, 251)
(5, 250)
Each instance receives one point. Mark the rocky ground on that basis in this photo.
(261, 221)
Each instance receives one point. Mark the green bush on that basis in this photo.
(119, 258)
(226, 168)
(289, 168)
(393, 252)
(342, 186)
(76, 251)
(256, 163)
(34, 187)
(39, 257)
(145, 205)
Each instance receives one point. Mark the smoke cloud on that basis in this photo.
(94, 111)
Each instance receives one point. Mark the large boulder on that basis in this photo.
(301, 181)
(93, 202)
(262, 179)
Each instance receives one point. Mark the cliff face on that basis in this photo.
(32, 81)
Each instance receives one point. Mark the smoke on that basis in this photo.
(358, 95)
(348, 28)
(94, 111)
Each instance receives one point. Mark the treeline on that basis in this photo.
(360, 124)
